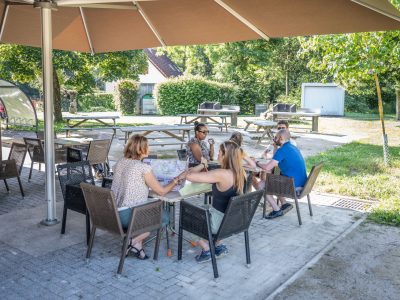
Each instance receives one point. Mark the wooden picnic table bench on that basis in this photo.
(232, 110)
(305, 113)
(262, 124)
(84, 118)
(203, 118)
(168, 131)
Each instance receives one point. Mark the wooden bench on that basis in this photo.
(68, 129)
(203, 119)
(167, 143)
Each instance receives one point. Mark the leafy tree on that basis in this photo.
(72, 70)
(355, 58)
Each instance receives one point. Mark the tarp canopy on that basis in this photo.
(115, 25)
(18, 107)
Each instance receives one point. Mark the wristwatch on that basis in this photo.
(175, 180)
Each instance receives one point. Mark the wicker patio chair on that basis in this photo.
(18, 153)
(283, 186)
(36, 153)
(237, 219)
(98, 152)
(70, 176)
(104, 215)
(8, 170)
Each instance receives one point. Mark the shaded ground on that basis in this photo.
(36, 262)
(364, 265)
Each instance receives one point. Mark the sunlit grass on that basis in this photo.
(357, 170)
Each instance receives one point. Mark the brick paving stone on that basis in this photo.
(65, 274)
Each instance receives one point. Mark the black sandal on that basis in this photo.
(136, 252)
(128, 250)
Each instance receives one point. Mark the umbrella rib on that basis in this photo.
(241, 19)
(376, 9)
(3, 20)
(86, 30)
(149, 23)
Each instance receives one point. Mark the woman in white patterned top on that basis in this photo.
(131, 182)
(197, 147)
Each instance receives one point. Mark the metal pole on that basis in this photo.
(47, 71)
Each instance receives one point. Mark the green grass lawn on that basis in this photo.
(368, 117)
(357, 170)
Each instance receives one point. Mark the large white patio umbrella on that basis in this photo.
(116, 25)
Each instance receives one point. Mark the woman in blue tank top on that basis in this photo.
(226, 182)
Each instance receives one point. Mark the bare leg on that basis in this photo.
(205, 246)
(272, 202)
(282, 200)
(137, 242)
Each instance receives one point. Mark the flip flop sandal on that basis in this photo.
(136, 252)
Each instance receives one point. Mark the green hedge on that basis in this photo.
(126, 97)
(183, 94)
(95, 102)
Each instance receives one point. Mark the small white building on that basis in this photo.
(160, 69)
(328, 97)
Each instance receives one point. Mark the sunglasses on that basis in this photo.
(204, 132)
(280, 128)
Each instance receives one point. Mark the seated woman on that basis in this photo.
(237, 138)
(226, 182)
(131, 182)
(197, 147)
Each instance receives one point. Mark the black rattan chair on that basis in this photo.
(282, 186)
(182, 154)
(104, 215)
(237, 219)
(70, 176)
(18, 153)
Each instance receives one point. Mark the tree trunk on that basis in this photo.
(287, 83)
(398, 103)
(57, 97)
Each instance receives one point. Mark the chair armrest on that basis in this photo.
(193, 219)
(279, 185)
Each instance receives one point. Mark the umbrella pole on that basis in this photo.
(47, 73)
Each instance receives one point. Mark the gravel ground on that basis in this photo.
(364, 265)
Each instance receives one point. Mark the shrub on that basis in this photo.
(126, 98)
(292, 98)
(95, 102)
(183, 94)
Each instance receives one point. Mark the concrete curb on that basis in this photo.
(316, 258)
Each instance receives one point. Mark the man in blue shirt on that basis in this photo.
(291, 163)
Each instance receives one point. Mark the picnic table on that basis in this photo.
(169, 132)
(84, 118)
(214, 122)
(233, 111)
(262, 124)
(70, 142)
(307, 114)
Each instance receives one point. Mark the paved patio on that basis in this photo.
(37, 262)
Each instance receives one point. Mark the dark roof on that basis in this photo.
(163, 63)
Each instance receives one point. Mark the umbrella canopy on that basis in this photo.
(116, 25)
(107, 25)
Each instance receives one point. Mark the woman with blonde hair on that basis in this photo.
(226, 182)
(237, 138)
(131, 182)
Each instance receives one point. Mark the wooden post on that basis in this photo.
(397, 89)
(380, 107)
